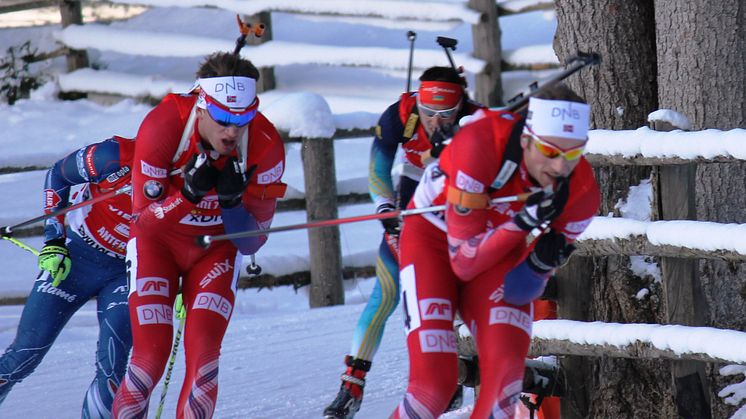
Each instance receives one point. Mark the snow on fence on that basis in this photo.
(632, 340)
(268, 54)
(487, 62)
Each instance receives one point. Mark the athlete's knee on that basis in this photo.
(417, 406)
(150, 366)
(388, 280)
(17, 364)
(433, 377)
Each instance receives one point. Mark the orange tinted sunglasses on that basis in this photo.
(550, 151)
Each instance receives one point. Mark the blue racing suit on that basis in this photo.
(96, 237)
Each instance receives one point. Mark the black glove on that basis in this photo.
(199, 177)
(232, 182)
(543, 207)
(551, 251)
(440, 138)
(391, 225)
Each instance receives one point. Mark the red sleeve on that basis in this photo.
(155, 205)
(260, 198)
(472, 245)
(582, 204)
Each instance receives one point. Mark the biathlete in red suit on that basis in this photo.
(412, 122)
(230, 161)
(490, 261)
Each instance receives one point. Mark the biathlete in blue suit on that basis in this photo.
(84, 261)
(439, 102)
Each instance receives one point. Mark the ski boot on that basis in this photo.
(350, 395)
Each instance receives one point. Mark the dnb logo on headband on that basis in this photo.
(558, 118)
(234, 92)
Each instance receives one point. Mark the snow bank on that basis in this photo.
(302, 115)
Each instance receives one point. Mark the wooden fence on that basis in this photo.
(482, 14)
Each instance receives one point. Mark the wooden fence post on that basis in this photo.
(573, 303)
(71, 13)
(486, 39)
(266, 74)
(320, 181)
(684, 299)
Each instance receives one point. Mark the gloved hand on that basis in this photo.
(551, 251)
(55, 259)
(391, 225)
(232, 182)
(543, 207)
(441, 138)
(199, 177)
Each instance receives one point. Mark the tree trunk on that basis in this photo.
(702, 74)
(621, 92)
(486, 39)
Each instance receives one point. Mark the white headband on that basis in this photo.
(558, 118)
(234, 92)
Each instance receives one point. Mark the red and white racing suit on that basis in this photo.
(458, 261)
(162, 249)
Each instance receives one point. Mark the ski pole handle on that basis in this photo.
(411, 37)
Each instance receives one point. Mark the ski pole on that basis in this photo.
(8, 230)
(576, 64)
(448, 44)
(206, 240)
(252, 269)
(22, 245)
(411, 36)
(181, 315)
